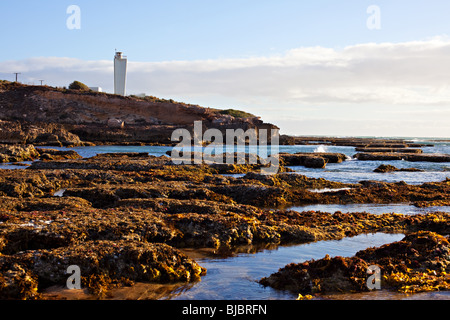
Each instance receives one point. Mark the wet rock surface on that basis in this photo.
(147, 206)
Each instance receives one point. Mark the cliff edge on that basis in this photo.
(56, 116)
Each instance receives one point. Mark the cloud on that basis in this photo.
(412, 73)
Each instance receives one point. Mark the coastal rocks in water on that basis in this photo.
(202, 182)
(356, 142)
(436, 203)
(429, 157)
(121, 162)
(17, 153)
(52, 154)
(138, 198)
(311, 160)
(389, 168)
(389, 150)
(326, 275)
(419, 262)
(102, 264)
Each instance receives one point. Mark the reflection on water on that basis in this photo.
(15, 165)
(236, 276)
(371, 208)
(389, 295)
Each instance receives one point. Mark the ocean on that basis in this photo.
(349, 171)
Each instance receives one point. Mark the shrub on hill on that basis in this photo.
(237, 113)
(77, 85)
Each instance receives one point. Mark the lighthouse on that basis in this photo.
(120, 73)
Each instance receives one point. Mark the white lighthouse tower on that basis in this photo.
(120, 73)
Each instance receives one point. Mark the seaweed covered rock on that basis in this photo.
(27, 184)
(52, 154)
(326, 275)
(102, 264)
(419, 262)
(17, 153)
(16, 282)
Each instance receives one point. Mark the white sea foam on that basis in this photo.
(321, 149)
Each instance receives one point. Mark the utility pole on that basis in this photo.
(16, 73)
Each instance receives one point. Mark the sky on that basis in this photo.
(324, 67)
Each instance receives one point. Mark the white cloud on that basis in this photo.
(395, 74)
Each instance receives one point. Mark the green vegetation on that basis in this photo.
(77, 85)
(237, 113)
(231, 112)
(153, 99)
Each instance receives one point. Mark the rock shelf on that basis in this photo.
(143, 209)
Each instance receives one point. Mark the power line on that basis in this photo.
(16, 73)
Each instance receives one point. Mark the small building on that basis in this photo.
(96, 89)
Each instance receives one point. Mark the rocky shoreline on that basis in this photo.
(417, 263)
(124, 217)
